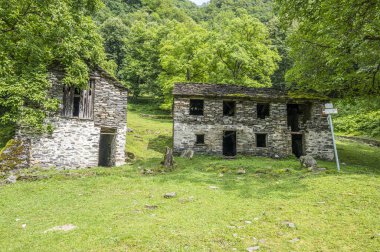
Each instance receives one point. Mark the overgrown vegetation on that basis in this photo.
(359, 117)
(215, 209)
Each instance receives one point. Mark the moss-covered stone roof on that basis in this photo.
(236, 91)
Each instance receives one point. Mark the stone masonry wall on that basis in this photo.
(74, 142)
(317, 138)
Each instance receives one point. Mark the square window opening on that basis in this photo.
(229, 108)
(200, 139)
(196, 107)
(262, 110)
(261, 140)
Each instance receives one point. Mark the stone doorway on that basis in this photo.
(107, 146)
(297, 145)
(229, 143)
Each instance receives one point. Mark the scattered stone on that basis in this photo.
(248, 222)
(235, 235)
(151, 207)
(234, 249)
(221, 175)
(18, 219)
(11, 179)
(262, 241)
(129, 130)
(289, 224)
(308, 161)
(256, 218)
(147, 171)
(294, 240)
(23, 226)
(168, 158)
(375, 236)
(186, 200)
(187, 154)
(130, 156)
(255, 248)
(241, 171)
(231, 227)
(170, 195)
(65, 228)
(213, 187)
(276, 156)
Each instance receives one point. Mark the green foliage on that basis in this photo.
(6, 133)
(334, 45)
(33, 36)
(359, 117)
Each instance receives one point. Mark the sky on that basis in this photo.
(199, 2)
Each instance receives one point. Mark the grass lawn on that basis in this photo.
(215, 208)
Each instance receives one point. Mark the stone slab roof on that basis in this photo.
(229, 90)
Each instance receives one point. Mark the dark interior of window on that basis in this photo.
(293, 112)
(261, 140)
(229, 108)
(196, 107)
(200, 139)
(262, 110)
(77, 102)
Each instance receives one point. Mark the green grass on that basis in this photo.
(331, 211)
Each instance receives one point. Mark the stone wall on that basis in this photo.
(74, 142)
(317, 137)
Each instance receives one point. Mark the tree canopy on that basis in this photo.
(33, 36)
(335, 45)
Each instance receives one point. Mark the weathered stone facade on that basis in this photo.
(312, 135)
(76, 142)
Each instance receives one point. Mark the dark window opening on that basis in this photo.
(293, 117)
(76, 106)
(196, 107)
(261, 140)
(78, 102)
(229, 108)
(297, 146)
(262, 110)
(229, 143)
(200, 139)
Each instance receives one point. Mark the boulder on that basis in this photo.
(187, 154)
(170, 195)
(308, 161)
(14, 155)
(241, 171)
(11, 179)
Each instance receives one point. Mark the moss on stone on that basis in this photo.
(306, 96)
(13, 155)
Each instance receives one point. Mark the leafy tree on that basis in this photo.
(242, 50)
(33, 35)
(335, 45)
(114, 33)
(186, 55)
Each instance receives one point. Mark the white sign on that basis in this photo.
(329, 105)
(329, 111)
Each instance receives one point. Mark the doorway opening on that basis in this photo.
(229, 143)
(107, 146)
(297, 145)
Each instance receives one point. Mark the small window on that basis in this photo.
(261, 140)
(77, 99)
(262, 110)
(229, 108)
(200, 139)
(196, 107)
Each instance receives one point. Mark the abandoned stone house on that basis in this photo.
(229, 120)
(89, 129)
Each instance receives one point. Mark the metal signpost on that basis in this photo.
(329, 109)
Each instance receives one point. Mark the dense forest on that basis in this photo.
(325, 47)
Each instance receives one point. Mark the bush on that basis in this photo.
(359, 124)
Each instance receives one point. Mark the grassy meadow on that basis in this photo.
(216, 209)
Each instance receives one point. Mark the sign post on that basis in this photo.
(328, 111)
